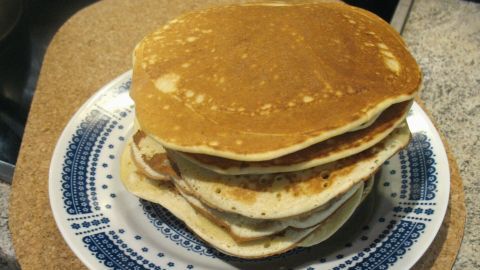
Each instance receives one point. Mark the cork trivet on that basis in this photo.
(91, 49)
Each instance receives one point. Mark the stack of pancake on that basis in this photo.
(260, 126)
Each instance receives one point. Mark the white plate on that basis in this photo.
(107, 227)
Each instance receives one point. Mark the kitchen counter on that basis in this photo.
(444, 36)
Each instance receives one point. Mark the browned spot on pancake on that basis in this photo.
(262, 184)
(161, 164)
(138, 137)
(314, 186)
(320, 150)
(325, 174)
(169, 185)
(343, 171)
(322, 179)
(174, 165)
(242, 194)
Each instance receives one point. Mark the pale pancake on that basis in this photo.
(274, 196)
(243, 228)
(367, 188)
(333, 223)
(246, 229)
(258, 82)
(330, 226)
(165, 194)
(318, 154)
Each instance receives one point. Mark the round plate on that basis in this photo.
(107, 227)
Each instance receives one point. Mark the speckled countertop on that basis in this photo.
(444, 36)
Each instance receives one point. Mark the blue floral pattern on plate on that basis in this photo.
(108, 227)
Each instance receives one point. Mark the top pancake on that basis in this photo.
(256, 82)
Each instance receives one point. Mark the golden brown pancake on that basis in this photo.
(330, 150)
(258, 82)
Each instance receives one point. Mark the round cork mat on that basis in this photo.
(90, 49)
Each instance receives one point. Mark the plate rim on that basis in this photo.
(57, 158)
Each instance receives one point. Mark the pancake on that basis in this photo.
(242, 228)
(274, 196)
(246, 229)
(368, 186)
(315, 155)
(166, 195)
(333, 223)
(366, 124)
(321, 153)
(150, 158)
(257, 82)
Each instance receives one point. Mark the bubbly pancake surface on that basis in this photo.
(274, 196)
(258, 82)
